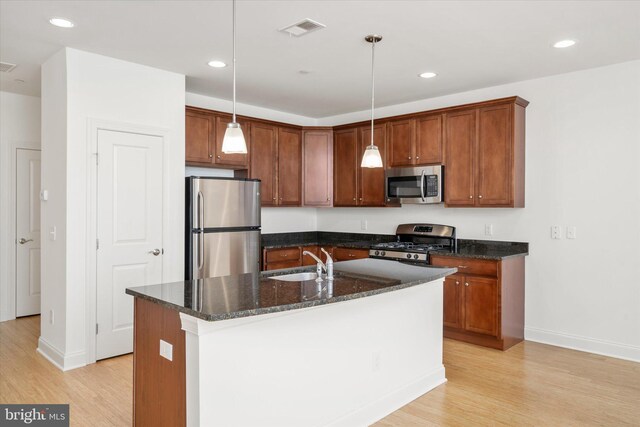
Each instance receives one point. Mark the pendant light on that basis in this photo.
(233, 141)
(371, 157)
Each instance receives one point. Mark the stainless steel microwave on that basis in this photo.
(419, 185)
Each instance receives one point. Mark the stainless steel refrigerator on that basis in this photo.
(222, 227)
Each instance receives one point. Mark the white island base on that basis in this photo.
(349, 363)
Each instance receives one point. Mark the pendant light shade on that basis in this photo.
(371, 157)
(233, 141)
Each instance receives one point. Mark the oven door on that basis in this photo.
(419, 185)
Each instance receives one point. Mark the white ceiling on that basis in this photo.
(470, 44)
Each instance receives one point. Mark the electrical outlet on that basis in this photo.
(556, 232)
(363, 224)
(571, 232)
(166, 350)
(488, 229)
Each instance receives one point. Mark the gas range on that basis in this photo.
(415, 241)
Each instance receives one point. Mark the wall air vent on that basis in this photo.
(6, 67)
(303, 27)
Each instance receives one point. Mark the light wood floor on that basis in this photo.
(530, 384)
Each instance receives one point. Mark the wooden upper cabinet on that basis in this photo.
(289, 167)
(402, 139)
(263, 160)
(199, 133)
(428, 140)
(414, 142)
(345, 167)
(371, 182)
(221, 158)
(494, 156)
(484, 156)
(460, 145)
(317, 163)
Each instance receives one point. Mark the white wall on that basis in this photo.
(106, 89)
(583, 152)
(19, 128)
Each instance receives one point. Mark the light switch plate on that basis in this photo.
(571, 232)
(166, 350)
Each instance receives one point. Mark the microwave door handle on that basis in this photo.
(422, 186)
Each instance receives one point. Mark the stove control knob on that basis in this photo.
(377, 253)
(409, 256)
(415, 256)
(383, 253)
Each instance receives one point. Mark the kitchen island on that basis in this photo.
(260, 349)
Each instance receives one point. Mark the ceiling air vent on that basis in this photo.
(303, 27)
(6, 67)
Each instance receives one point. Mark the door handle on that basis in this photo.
(22, 240)
(155, 252)
(422, 186)
(200, 220)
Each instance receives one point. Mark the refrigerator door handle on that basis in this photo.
(200, 211)
(200, 252)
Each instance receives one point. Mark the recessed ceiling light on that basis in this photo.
(217, 64)
(564, 43)
(427, 75)
(62, 23)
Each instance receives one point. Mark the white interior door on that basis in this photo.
(129, 231)
(27, 232)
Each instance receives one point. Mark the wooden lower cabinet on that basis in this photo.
(159, 385)
(348, 254)
(484, 301)
(291, 257)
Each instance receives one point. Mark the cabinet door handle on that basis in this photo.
(360, 198)
(210, 156)
(463, 266)
(417, 157)
(480, 197)
(274, 198)
(285, 255)
(409, 157)
(471, 197)
(351, 255)
(457, 283)
(354, 198)
(219, 157)
(466, 284)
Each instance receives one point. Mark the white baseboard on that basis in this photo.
(58, 359)
(393, 401)
(590, 345)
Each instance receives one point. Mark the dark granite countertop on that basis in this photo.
(479, 249)
(487, 249)
(252, 294)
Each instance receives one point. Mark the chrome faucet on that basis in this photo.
(319, 266)
(328, 267)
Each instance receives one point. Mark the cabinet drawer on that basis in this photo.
(481, 267)
(284, 254)
(284, 264)
(346, 254)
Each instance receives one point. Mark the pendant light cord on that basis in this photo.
(234, 61)
(373, 86)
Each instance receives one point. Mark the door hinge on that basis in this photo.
(97, 244)
(96, 329)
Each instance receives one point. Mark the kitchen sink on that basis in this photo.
(296, 277)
